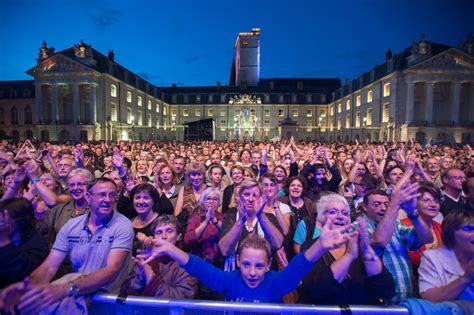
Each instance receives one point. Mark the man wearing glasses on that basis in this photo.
(99, 245)
(452, 190)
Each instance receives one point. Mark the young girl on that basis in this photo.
(254, 282)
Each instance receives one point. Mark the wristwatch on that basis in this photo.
(73, 289)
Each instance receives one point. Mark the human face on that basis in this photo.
(143, 203)
(432, 165)
(286, 165)
(237, 176)
(245, 156)
(48, 180)
(249, 198)
(77, 186)
(270, 166)
(64, 167)
(320, 175)
(227, 152)
(234, 157)
(142, 166)
(446, 163)
(167, 232)
(295, 189)
(348, 164)
(205, 151)
(166, 176)
(212, 201)
(215, 158)
(464, 238)
(256, 157)
(428, 206)
(341, 157)
(361, 169)
(108, 162)
(339, 212)
(253, 264)
(269, 189)
(455, 179)
(8, 181)
(178, 165)
(394, 176)
(102, 199)
(279, 174)
(376, 207)
(196, 178)
(216, 176)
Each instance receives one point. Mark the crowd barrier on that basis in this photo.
(104, 304)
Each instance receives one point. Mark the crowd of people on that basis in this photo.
(292, 222)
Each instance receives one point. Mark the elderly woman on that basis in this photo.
(188, 196)
(202, 231)
(247, 220)
(348, 274)
(447, 273)
(21, 247)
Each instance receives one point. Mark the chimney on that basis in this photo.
(111, 55)
(388, 54)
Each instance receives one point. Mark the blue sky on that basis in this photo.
(192, 42)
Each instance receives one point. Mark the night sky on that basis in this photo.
(192, 42)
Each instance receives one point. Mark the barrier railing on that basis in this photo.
(104, 304)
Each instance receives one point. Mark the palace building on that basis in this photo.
(425, 91)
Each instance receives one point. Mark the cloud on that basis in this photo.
(192, 59)
(360, 54)
(103, 18)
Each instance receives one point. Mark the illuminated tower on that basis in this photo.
(247, 62)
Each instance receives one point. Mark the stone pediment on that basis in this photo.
(58, 64)
(450, 60)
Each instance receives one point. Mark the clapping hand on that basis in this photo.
(334, 238)
(405, 196)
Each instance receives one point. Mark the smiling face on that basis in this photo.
(428, 206)
(77, 186)
(320, 175)
(48, 180)
(339, 212)
(237, 176)
(196, 178)
(296, 188)
(376, 207)
(253, 264)
(143, 203)
(102, 198)
(279, 173)
(166, 176)
(270, 189)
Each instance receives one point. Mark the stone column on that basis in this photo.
(456, 101)
(54, 104)
(409, 102)
(93, 102)
(38, 103)
(471, 101)
(75, 104)
(429, 102)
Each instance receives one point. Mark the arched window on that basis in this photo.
(14, 116)
(28, 116)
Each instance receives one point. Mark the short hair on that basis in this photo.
(256, 242)
(374, 192)
(85, 173)
(163, 166)
(250, 171)
(164, 220)
(280, 167)
(324, 200)
(100, 180)
(207, 192)
(466, 183)
(290, 180)
(453, 222)
(430, 188)
(238, 167)
(148, 188)
(180, 157)
(20, 210)
(249, 184)
(270, 177)
(388, 170)
(445, 173)
(195, 167)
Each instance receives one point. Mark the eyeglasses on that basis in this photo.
(102, 196)
(334, 212)
(212, 199)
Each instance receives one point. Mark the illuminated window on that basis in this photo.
(209, 112)
(331, 125)
(129, 96)
(309, 126)
(149, 104)
(357, 120)
(266, 112)
(113, 112)
(164, 110)
(185, 112)
(149, 121)
(281, 113)
(339, 123)
(140, 118)
(309, 113)
(339, 107)
(197, 112)
(157, 107)
(223, 113)
(348, 120)
(113, 90)
(173, 113)
(348, 105)
(386, 89)
(331, 110)
(139, 101)
(358, 100)
(369, 116)
(369, 96)
(294, 112)
(129, 115)
(386, 112)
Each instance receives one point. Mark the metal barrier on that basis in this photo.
(104, 304)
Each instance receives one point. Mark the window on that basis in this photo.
(331, 125)
(113, 112)
(252, 112)
(294, 98)
(369, 116)
(281, 113)
(386, 89)
(149, 121)
(185, 112)
(174, 98)
(28, 116)
(14, 116)
(281, 99)
(113, 90)
(323, 113)
(223, 113)
(209, 112)
(197, 112)
(267, 123)
(129, 96)
(339, 107)
(309, 113)
(309, 98)
(223, 98)
(157, 107)
(331, 110)
(267, 98)
(140, 118)
(211, 98)
(223, 123)
(339, 123)
(198, 99)
(186, 99)
(348, 105)
(173, 113)
(348, 121)
(164, 110)
(386, 112)
(357, 120)
(369, 96)
(266, 112)
(309, 125)
(294, 112)
(129, 115)
(358, 100)
(139, 101)
(149, 104)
